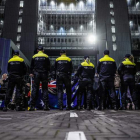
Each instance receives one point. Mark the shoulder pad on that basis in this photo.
(63, 58)
(19, 59)
(40, 55)
(106, 59)
(128, 63)
(86, 64)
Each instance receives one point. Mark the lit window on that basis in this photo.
(20, 12)
(18, 45)
(18, 37)
(113, 29)
(114, 47)
(1, 22)
(111, 5)
(112, 21)
(19, 29)
(112, 13)
(21, 3)
(20, 20)
(113, 38)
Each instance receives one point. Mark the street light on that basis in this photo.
(91, 39)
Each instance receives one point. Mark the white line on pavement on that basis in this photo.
(98, 112)
(72, 114)
(5, 118)
(112, 111)
(132, 111)
(76, 135)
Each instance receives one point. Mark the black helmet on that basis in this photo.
(16, 52)
(127, 55)
(85, 57)
(40, 48)
(63, 51)
(106, 52)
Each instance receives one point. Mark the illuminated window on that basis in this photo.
(112, 13)
(20, 20)
(18, 45)
(18, 37)
(112, 21)
(21, 4)
(111, 5)
(113, 29)
(20, 12)
(113, 38)
(19, 29)
(114, 47)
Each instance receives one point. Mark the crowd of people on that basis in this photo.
(86, 75)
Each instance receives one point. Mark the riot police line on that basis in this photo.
(97, 85)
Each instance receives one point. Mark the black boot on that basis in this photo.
(32, 108)
(61, 107)
(78, 105)
(69, 107)
(46, 107)
(136, 107)
(5, 109)
(19, 108)
(115, 107)
(101, 106)
(88, 107)
(123, 107)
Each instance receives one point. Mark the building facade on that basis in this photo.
(82, 27)
(2, 8)
(134, 23)
(68, 25)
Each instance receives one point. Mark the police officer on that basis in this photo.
(106, 69)
(128, 70)
(40, 67)
(63, 69)
(16, 69)
(85, 72)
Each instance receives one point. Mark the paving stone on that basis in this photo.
(54, 125)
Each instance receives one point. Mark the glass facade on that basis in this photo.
(134, 22)
(2, 7)
(66, 25)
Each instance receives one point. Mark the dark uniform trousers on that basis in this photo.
(128, 83)
(63, 79)
(87, 84)
(14, 81)
(108, 83)
(37, 78)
